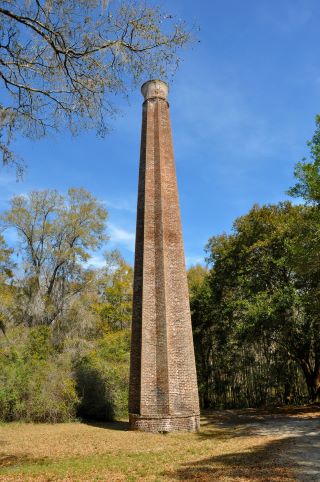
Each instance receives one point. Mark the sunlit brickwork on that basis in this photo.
(163, 395)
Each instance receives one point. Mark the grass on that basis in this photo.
(225, 449)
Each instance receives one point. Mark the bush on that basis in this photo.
(102, 378)
(96, 400)
(51, 393)
(40, 384)
(36, 385)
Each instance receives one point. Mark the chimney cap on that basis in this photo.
(155, 88)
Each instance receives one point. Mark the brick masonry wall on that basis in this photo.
(163, 393)
(165, 424)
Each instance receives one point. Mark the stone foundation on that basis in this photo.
(174, 423)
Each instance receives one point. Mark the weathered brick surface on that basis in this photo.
(164, 424)
(163, 394)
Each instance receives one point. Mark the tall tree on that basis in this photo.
(260, 292)
(63, 61)
(56, 236)
(307, 172)
(307, 241)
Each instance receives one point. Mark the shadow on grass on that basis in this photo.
(9, 460)
(272, 461)
(115, 425)
(228, 424)
(259, 464)
(255, 415)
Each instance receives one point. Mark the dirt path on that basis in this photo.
(304, 449)
(299, 427)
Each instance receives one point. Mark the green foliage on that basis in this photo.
(196, 275)
(38, 345)
(102, 378)
(56, 235)
(35, 384)
(115, 303)
(255, 317)
(5, 264)
(40, 384)
(308, 172)
(69, 353)
(6, 275)
(93, 386)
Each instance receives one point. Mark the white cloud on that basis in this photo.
(95, 261)
(122, 237)
(219, 117)
(192, 260)
(121, 204)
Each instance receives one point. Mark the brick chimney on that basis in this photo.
(163, 394)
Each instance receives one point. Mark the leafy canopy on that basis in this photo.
(56, 236)
(308, 172)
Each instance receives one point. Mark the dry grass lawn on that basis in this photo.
(226, 449)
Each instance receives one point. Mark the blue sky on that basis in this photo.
(242, 105)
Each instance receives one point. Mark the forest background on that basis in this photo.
(65, 325)
(66, 329)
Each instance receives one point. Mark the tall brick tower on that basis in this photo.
(163, 394)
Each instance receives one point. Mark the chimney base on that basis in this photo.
(174, 423)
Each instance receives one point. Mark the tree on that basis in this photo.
(196, 275)
(115, 287)
(307, 242)
(5, 261)
(63, 61)
(5, 275)
(307, 172)
(259, 292)
(56, 237)
(256, 316)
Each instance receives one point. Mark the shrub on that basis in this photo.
(40, 384)
(96, 400)
(102, 378)
(36, 385)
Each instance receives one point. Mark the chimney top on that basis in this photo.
(155, 88)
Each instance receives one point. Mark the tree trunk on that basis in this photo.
(314, 387)
(312, 378)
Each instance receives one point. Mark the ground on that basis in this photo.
(246, 445)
